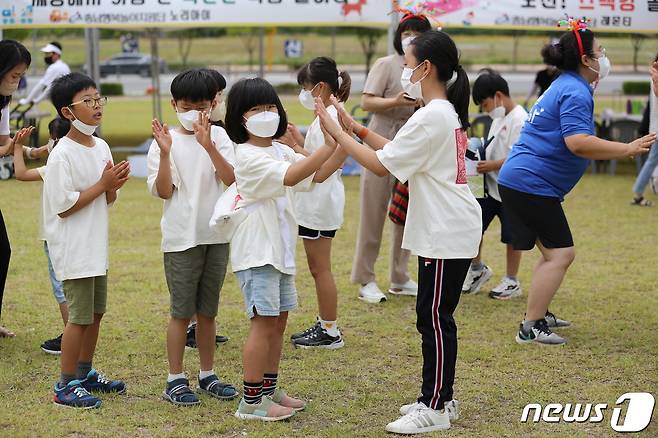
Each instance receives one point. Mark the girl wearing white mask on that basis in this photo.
(556, 145)
(319, 212)
(267, 174)
(390, 107)
(443, 223)
(219, 110)
(14, 62)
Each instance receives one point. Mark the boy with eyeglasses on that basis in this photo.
(81, 183)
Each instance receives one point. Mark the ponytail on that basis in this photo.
(440, 50)
(458, 94)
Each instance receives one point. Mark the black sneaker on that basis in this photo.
(555, 322)
(306, 332)
(319, 338)
(191, 337)
(53, 346)
(539, 334)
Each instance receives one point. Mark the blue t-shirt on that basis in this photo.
(540, 162)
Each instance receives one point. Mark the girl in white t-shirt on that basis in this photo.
(263, 247)
(444, 221)
(319, 212)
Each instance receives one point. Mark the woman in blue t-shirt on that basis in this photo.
(556, 144)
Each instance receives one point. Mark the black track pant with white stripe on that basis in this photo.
(439, 288)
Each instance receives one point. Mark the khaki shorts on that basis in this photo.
(85, 296)
(195, 277)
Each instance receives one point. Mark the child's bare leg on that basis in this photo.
(71, 346)
(176, 337)
(64, 311)
(205, 340)
(318, 254)
(88, 346)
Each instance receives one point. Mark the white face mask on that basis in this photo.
(8, 88)
(50, 145)
(604, 68)
(412, 89)
(264, 124)
(306, 98)
(219, 112)
(188, 118)
(83, 127)
(498, 112)
(406, 43)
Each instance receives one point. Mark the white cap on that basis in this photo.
(51, 48)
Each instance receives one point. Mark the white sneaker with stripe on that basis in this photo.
(452, 407)
(420, 420)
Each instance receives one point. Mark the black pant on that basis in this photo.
(5, 254)
(439, 288)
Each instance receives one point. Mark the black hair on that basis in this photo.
(12, 54)
(218, 77)
(323, 69)
(65, 87)
(194, 85)
(487, 84)
(244, 95)
(58, 127)
(56, 44)
(440, 50)
(416, 23)
(565, 54)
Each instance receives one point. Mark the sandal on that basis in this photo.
(641, 202)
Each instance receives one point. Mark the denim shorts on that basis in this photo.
(58, 290)
(267, 292)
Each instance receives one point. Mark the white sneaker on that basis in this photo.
(452, 407)
(409, 288)
(420, 420)
(370, 293)
(475, 279)
(506, 289)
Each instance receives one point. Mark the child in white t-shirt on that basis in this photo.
(186, 168)
(443, 225)
(491, 92)
(319, 212)
(57, 128)
(80, 184)
(263, 247)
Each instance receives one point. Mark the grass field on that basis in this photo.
(231, 50)
(610, 293)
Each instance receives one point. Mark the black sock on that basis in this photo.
(253, 392)
(269, 384)
(83, 370)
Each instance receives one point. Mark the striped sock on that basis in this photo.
(269, 384)
(253, 392)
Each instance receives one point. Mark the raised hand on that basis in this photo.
(641, 145)
(22, 136)
(327, 124)
(202, 129)
(162, 136)
(346, 121)
(115, 176)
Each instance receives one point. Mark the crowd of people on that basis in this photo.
(239, 184)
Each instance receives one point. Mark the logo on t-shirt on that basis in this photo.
(462, 143)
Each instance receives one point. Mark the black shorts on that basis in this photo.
(534, 217)
(490, 209)
(308, 233)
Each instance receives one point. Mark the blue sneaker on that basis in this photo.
(212, 386)
(179, 393)
(96, 382)
(74, 395)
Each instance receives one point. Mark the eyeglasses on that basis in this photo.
(92, 102)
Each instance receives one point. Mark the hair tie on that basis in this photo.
(340, 79)
(452, 79)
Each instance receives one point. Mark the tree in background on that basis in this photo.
(368, 39)
(249, 37)
(636, 40)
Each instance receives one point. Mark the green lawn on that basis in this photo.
(231, 50)
(610, 294)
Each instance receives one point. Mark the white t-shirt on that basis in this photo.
(268, 234)
(187, 213)
(4, 121)
(78, 244)
(41, 91)
(321, 208)
(443, 218)
(506, 132)
(42, 231)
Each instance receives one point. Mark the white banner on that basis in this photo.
(608, 15)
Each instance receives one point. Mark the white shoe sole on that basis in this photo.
(372, 300)
(334, 346)
(242, 416)
(82, 408)
(532, 341)
(514, 294)
(53, 352)
(419, 430)
(404, 292)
